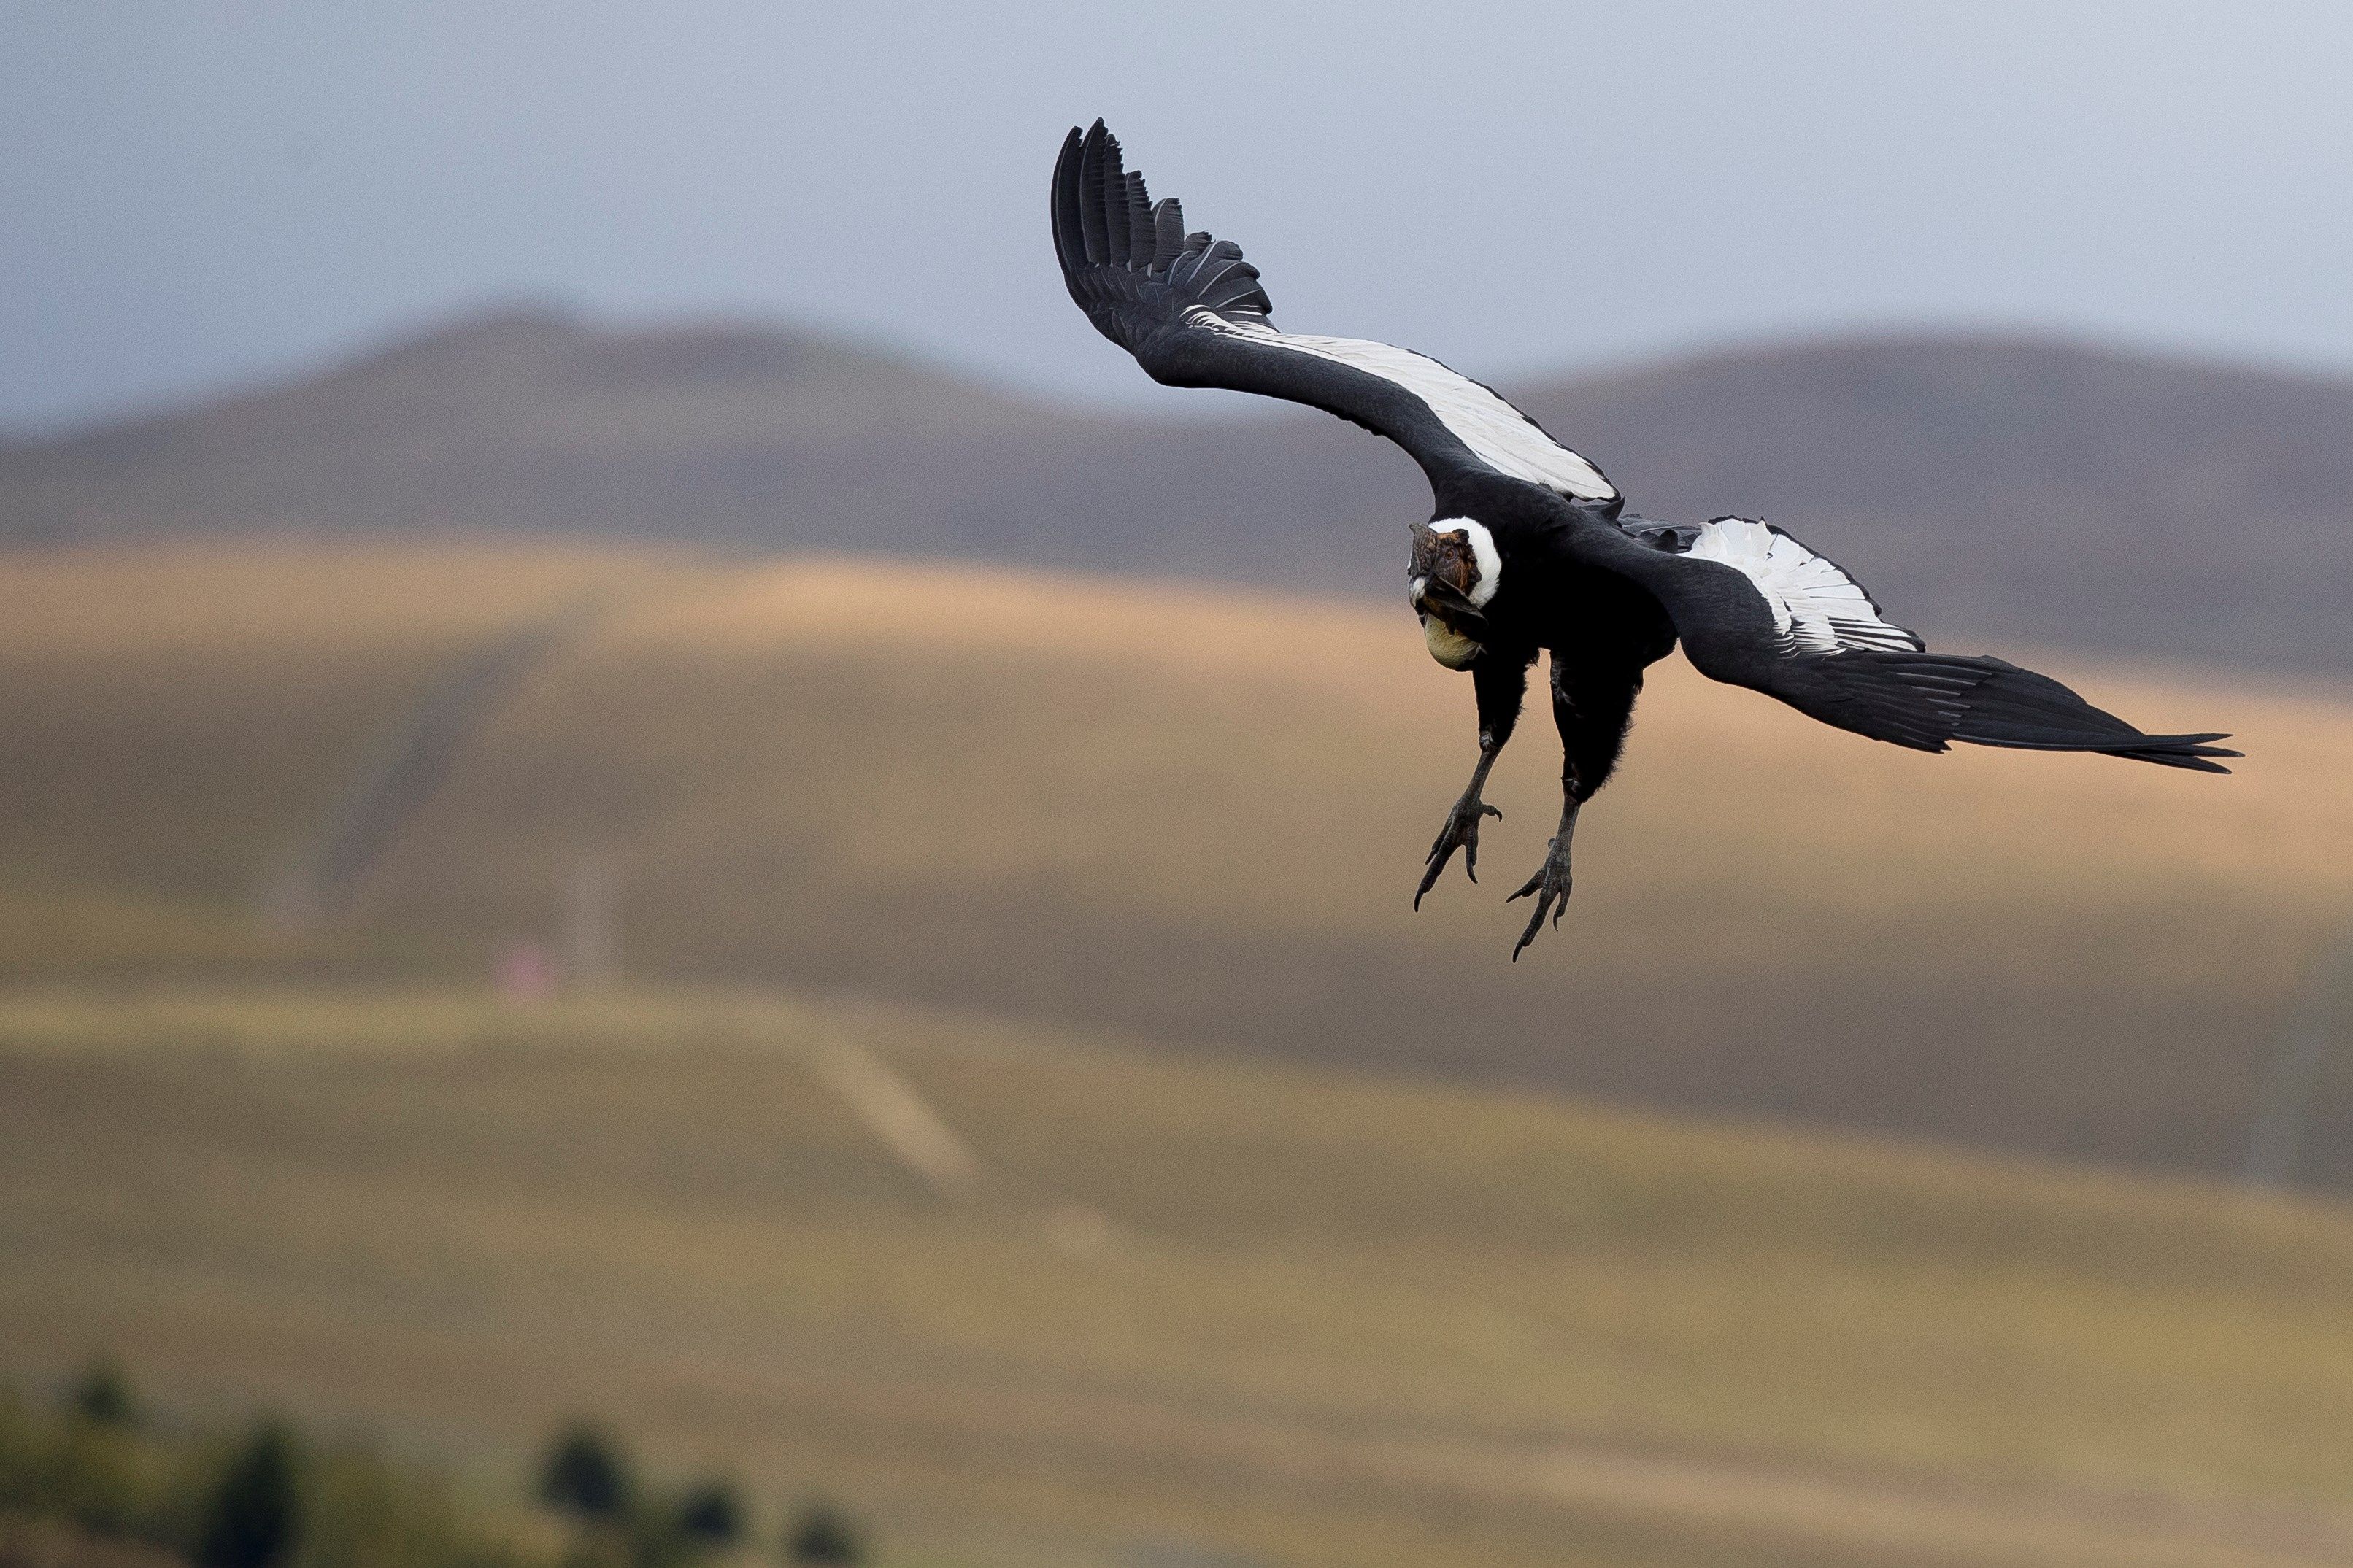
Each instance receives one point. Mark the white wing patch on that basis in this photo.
(1817, 607)
(1498, 435)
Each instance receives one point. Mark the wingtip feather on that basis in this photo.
(1142, 239)
(1119, 248)
(1090, 183)
(1069, 239)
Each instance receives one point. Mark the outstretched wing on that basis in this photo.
(1756, 608)
(1193, 313)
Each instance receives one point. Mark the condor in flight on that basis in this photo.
(1530, 548)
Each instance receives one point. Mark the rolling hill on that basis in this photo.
(1188, 813)
(1182, 1309)
(2062, 494)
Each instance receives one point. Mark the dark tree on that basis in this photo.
(254, 1517)
(821, 1532)
(585, 1474)
(712, 1514)
(102, 1396)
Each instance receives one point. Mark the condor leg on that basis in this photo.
(1593, 709)
(1502, 684)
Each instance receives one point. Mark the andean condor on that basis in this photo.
(1530, 547)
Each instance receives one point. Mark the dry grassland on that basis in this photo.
(179, 721)
(1194, 1297)
(1199, 815)
(1299, 1314)
(1195, 815)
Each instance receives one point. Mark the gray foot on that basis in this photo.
(1460, 832)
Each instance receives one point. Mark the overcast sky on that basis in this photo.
(193, 193)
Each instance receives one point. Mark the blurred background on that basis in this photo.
(683, 881)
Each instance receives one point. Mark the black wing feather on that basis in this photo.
(1925, 701)
(1094, 229)
(1145, 283)
(1168, 235)
(1143, 235)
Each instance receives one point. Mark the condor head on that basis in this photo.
(1456, 569)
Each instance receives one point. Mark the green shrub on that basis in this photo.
(264, 1500)
(820, 1533)
(586, 1474)
(102, 1396)
(268, 1500)
(710, 1514)
(254, 1516)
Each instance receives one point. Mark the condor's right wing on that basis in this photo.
(1193, 313)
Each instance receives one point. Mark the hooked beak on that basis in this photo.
(1432, 597)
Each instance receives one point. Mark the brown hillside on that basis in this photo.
(1195, 814)
(1186, 1311)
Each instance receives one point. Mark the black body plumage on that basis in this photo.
(1530, 549)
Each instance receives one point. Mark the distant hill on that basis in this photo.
(2038, 490)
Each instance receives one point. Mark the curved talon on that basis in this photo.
(1550, 886)
(1460, 832)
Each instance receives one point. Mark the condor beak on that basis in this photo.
(1431, 596)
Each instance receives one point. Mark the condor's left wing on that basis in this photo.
(1193, 313)
(1756, 608)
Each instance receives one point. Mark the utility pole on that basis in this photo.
(2284, 1099)
(589, 932)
